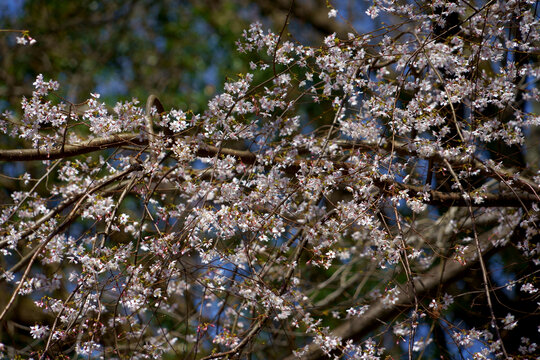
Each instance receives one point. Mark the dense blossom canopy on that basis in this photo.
(324, 204)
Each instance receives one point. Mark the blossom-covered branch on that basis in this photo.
(330, 201)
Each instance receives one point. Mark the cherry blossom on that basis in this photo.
(323, 204)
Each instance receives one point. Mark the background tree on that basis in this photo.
(363, 198)
(123, 49)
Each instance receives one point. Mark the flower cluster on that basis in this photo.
(211, 233)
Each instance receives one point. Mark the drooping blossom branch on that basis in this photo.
(327, 190)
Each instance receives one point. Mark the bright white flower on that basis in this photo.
(25, 40)
(528, 287)
(123, 218)
(38, 331)
(509, 322)
(447, 301)
(373, 11)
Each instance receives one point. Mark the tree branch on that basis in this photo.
(248, 157)
(69, 150)
(378, 313)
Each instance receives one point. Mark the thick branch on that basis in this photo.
(248, 157)
(378, 312)
(456, 198)
(403, 149)
(84, 147)
(106, 143)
